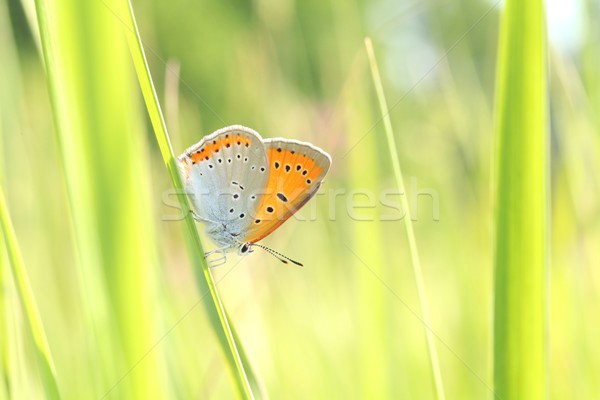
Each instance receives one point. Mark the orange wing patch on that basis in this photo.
(205, 152)
(293, 179)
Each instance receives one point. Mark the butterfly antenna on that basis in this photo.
(279, 256)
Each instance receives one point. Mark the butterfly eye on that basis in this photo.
(244, 248)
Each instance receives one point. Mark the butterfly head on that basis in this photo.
(245, 248)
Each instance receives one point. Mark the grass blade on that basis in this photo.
(42, 350)
(4, 359)
(99, 137)
(521, 204)
(257, 388)
(412, 243)
(205, 281)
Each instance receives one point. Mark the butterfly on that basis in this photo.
(243, 187)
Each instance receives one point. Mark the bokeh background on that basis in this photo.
(348, 324)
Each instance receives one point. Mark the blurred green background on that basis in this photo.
(121, 305)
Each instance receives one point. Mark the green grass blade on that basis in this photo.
(4, 360)
(101, 149)
(257, 388)
(215, 309)
(521, 204)
(412, 243)
(42, 350)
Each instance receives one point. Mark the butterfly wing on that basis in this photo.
(225, 173)
(296, 172)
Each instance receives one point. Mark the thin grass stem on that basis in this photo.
(32, 315)
(412, 243)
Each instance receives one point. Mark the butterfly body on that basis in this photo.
(244, 187)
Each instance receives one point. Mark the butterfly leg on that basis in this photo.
(219, 259)
(196, 216)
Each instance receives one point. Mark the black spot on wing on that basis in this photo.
(282, 197)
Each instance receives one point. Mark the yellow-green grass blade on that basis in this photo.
(257, 388)
(100, 140)
(9, 69)
(42, 350)
(412, 243)
(206, 284)
(92, 288)
(4, 367)
(521, 252)
(4, 360)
